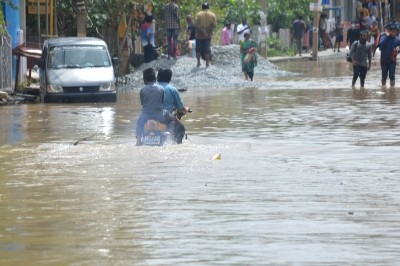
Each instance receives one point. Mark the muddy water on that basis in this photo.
(309, 175)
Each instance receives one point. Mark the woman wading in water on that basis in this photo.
(248, 49)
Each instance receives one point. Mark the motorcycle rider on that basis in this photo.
(151, 99)
(173, 105)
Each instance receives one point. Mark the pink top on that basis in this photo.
(226, 37)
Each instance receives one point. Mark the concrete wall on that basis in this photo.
(285, 37)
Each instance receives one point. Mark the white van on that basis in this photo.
(77, 69)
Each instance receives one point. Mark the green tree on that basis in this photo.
(66, 18)
(281, 13)
(236, 10)
(106, 13)
(2, 23)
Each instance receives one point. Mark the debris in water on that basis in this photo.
(217, 156)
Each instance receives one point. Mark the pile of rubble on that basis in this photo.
(225, 71)
(5, 98)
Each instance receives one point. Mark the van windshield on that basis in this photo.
(78, 56)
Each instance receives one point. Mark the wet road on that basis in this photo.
(309, 175)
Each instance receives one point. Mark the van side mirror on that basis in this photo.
(115, 61)
(40, 63)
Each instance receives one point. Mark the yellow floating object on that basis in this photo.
(217, 156)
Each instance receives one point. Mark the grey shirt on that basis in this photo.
(360, 53)
(152, 99)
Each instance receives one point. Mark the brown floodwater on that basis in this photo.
(308, 175)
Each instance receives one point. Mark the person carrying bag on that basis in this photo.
(361, 55)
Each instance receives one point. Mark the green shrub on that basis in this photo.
(277, 48)
(2, 23)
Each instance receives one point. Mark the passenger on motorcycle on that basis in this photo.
(151, 99)
(173, 104)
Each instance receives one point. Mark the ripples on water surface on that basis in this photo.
(308, 176)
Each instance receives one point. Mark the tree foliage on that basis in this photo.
(236, 10)
(281, 13)
(106, 13)
(1, 21)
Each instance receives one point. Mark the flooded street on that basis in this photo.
(309, 175)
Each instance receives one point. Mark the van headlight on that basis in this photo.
(55, 88)
(109, 86)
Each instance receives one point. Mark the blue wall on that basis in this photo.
(12, 18)
(13, 21)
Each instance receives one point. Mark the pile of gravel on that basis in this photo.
(224, 72)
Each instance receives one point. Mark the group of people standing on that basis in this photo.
(198, 37)
(329, 29)
(300, 28)
(199, 33)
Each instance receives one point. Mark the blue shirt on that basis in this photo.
(386, 45)
(172, 98)
(147, 29)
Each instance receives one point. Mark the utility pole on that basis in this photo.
(263, 43)
(315, 30)
(80, 6)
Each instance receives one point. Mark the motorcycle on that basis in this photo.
(156, 133)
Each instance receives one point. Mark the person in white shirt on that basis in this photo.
(241, 29)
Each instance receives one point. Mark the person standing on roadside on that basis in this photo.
(353, 34)
(323, 26)
(147, 36)
(370, 19)
(361, 52)
(226, 37)
(299, 28)
(385, 12)
(241, 29)
(172, 26)
(338, 34)
(373, 8)
(374, 35)
(205, 24)
(388, 45)
(191, 36)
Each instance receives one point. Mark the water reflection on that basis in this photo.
(107, 115)
(12, 127)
